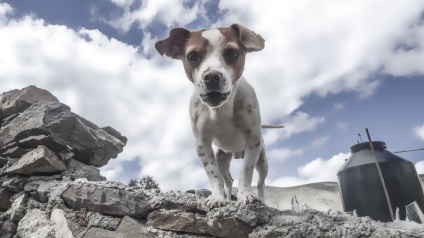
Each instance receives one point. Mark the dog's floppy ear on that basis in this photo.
(249, 39)
(173, 46)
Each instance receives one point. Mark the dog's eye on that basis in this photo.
(231, 54)
(192, 57)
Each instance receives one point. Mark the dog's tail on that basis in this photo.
(268, 126)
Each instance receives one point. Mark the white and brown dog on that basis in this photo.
(224, 109)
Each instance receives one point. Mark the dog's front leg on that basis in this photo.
(206, 155)
(251, 155)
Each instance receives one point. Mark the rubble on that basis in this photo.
(50, 186)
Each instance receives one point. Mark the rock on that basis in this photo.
(40, 160)
(77, 170)
(3, 161)
(15, 152)
(17, 101)
(5, 196)
(95, 219)
(8, 229)
(36, 224)
(48, 141)
(197, 224)
(105, 200)
(131, 227)
(17, 210)
(61, 225)
(91, 144)
(95, 232)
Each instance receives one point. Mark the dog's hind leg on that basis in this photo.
(262, 168)
(224, 160)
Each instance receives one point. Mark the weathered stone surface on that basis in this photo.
(40, 160)
(36, 140)
(95, 232)
(77, 170)
(108, 201)
(3, 161)
(60, 224)
(131, 227)
(198, 224)
(5, 196)
(8, 229)
(14, 152)
(17, 210)
(36, 224)
(16, 101)
(91, 144)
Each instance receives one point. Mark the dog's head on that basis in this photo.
(213, 58)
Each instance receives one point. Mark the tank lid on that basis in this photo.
(378, 145)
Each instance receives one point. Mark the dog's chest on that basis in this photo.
(226, 135)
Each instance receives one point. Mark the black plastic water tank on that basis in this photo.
(361, 188)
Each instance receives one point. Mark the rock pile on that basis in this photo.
(50, 186)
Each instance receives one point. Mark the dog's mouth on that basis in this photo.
(214, 98)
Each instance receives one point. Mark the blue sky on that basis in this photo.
(329, 70)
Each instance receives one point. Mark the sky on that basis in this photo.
(329, 70)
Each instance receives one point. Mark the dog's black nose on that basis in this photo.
(213, 80)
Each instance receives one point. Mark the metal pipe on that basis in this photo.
(380, 174)
(403, 151)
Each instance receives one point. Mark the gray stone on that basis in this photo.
(60, 224)
(198, 224)
(95, 232)
(91, 144)
(15, 152)
(17, 210)
(5, 196)
(105, 200)
(8, 229)
(3, 161)
(17, 101)
(40, 160)
(36, 224)
(36, 140)
(131, 227)
(77, 170)
(95, 219)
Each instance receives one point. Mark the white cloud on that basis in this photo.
(419, 166)
(419, 131)
(5, 11)
(168, 12)
(280, 154)
(293, 124)
(319, 142)
(317, 170)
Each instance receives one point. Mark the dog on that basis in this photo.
(224, 110)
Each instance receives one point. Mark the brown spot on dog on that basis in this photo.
(200, 147)
(212, 172)
(248, 131)
(216, 176)
(201, 155)
(258, 144)
(250, 147)
(205, 164)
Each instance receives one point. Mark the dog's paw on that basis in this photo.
(215, 202)
(245, 199)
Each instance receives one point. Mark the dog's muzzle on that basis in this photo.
(214, 99)
(214, 80)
